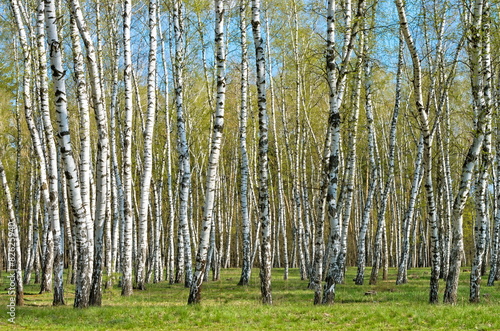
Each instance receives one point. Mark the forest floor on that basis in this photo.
(226, 306)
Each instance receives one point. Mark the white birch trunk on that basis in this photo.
(352, 157)
(116, 182)
(52, 164)
(483, 118)
(213, 161)
(183, 148)
(333, 133)
(148, 146)
(34, 132)
(14, 267)
(102, 154)
(127, 155)
(428, 136)
(482, 219)
(168, 152)
(265, 251)
(361, 242)
(244, 169)
(496, 228)
(80, 214)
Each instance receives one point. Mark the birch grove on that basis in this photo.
(357, 139)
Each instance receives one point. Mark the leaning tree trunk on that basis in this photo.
(213, 160)
(14, 243)
(483, 118)
(102, 153)
(428, 137)
(80, 214)
(35, 134)
(409, 215)
(263, 162)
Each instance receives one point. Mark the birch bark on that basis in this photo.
(14, 242)
(482, 219)
(483, 118)
(427, 139)
(127, 155)
(245, 220)
(213, 161)
(265, 251)
(183, 148)
(52, 168)
(148, 146)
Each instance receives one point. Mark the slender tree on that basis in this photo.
(482, 218)
(148, 146)
(14, 265)
(332, 169)
(183, 148)
(263, 162)
(427, 140)
(127, 155)
(245, 220)
(482, 120)
(213, 161)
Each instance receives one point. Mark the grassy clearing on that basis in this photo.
(226, 306)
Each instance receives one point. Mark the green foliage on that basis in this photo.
(226, 306)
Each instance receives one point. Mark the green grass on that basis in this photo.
(226, 306)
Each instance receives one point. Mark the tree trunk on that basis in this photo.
(332, 170)
(183, 148)
(482, 219)
(148, 146)
(483, 118)
(246, 269)
(14, 267)
(373, 172)
(265, 251)
(127, 155)
(213, 161)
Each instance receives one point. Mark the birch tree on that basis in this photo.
(52, 167)
(183, 148)
(80, 214)
(496, 227)
(332, 143)
(102, 152)
(373, 165)
(483, 118)
(127, 155)
(148, 146)
(263, 162)
(245, 220)
(484, 163)
(213, 161)
(14, 242)
(36, 137)
(427, 140)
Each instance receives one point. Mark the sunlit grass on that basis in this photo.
(226, 306)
